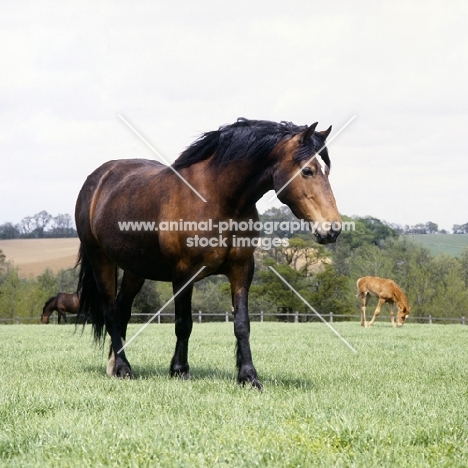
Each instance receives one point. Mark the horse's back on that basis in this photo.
(382, 287)
(116, 173)
(111, 187)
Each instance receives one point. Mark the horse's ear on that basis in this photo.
(308, 133)
(326, 132)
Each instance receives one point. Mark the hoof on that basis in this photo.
(254, 383)
(248, 376)
(123, 372)
(180, 373)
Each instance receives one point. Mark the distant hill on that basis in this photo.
(451, 244)
(33, 256)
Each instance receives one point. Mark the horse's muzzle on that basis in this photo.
(327, 237)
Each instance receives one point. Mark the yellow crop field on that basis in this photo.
(33, 256)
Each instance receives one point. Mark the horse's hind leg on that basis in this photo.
(129, 288)
(377, 311)
(183, 329)
(105, 275)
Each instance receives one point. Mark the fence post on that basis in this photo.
(227, 316)
(430, 319)
(17, 320)
(159, 319)
(261, 316)
(296, 317)
(199, 316)
(331, 317)
(463, 320)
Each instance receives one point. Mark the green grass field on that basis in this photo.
(401, 401)
(450, 244)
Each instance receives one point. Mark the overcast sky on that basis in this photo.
(177, 69)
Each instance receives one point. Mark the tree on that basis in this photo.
(460, 228)
(47, 283)
(67, 280)
(328, 292)
(26, 226)
(212, 296)
(62, 226)
(147, 300)
(463, 259)
(275, 291)
(38, 226)
(431, 228)
(8, 231)
(303, 254)
(41, 220)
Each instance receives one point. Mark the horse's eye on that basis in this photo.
(307, 171)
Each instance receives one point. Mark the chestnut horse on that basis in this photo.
(232, 168)
(62, 303)
(387, 291)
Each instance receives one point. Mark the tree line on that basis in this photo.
(324, 275)
(39, 225)
(43, 224)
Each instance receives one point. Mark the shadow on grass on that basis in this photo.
(199, 373)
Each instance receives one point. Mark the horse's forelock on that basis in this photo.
(316, 145)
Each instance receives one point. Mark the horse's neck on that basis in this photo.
(401, 298)
(240, 186)
(49, 309)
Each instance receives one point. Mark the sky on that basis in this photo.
(177, 69)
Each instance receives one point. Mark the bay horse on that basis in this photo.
(388, 292)
(232, 168)
(62, 303)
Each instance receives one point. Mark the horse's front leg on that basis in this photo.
(183, 328)
(240, 283)
(377, 311)
(392, 316)
(364, 300)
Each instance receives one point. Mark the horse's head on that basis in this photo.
(402, 313)
(45, 318)
(301, 182)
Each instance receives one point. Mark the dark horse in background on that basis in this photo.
(232, 168)
(62, 303)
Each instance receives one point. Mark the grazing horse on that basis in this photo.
(62, 303)
(178, 237)
(387, 291)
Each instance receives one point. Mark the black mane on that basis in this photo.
(246, 139)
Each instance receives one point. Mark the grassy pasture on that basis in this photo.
(401, 401)
(450, 244)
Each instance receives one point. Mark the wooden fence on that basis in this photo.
(293, 317)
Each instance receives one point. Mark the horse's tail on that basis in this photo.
(48, 302)
(358, 288)
(90, 300)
